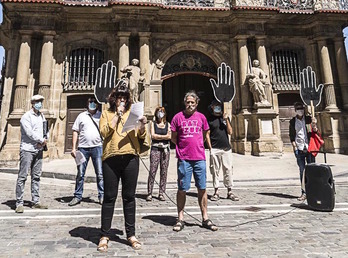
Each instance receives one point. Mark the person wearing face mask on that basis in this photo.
(300, 129)
(189, 131)
(220, 150)
(32, 143)
(160, 153)
(90, 144)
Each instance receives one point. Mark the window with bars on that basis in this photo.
(285, 69)
(80, 68)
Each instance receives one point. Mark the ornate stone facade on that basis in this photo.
(54, 48)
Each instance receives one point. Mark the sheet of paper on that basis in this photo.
(80, 158)
(136, 112)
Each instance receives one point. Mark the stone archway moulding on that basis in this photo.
(215, 55)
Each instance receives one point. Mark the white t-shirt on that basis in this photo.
(88, 133)
(301, 133)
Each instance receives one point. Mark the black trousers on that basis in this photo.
(126, 168)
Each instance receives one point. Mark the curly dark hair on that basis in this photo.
(121, 89)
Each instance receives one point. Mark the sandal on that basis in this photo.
(208, 224)
(103, 244)
(215, 197)
(232, 197)
(149, 198)
(161, 198)
(179, 225)
(134, 242)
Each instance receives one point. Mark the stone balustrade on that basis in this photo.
(287, 5)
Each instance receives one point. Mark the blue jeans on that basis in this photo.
(302, 158)
(185, 170)
(95, 153)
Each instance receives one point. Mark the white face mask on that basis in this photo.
(300, 112)
(160, 115)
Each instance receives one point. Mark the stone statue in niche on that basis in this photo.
(135, 79)
(156, 70)
(256, 81)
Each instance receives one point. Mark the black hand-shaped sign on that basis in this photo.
(224, 89)
(104, 81)
(309, 90)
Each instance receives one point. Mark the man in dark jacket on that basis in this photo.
(300, 129)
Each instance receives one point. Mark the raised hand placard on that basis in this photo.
(224, 89)
(105, 81)
(309, 90)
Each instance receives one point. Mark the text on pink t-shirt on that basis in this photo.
(190, 143)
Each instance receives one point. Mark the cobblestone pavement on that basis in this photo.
(264, 223)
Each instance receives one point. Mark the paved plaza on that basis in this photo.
(268, 221)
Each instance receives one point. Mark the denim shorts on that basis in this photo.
(185, 170)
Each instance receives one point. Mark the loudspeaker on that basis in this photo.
(320, 187)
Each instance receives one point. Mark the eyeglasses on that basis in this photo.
(93, 101)
(300, 108)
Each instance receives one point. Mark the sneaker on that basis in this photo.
(39, 206)
(302, 198)
(74, 202)
(20, 209)
(101, 200)
(149, 198)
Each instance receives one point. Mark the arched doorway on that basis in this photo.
(174, 89)
(185, 71)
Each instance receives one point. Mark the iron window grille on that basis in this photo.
(80, 68)
(285, 69)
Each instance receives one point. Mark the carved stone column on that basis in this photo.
(46, 71)
(329, 91)
(243, 66)
(262, 57)
(342, 68)
(123, 57)
(144, 40)
(242, 145)
(20, 96)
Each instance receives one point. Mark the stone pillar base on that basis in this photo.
(155, 96)
(265, 135)
(333, 126)
(241, 133)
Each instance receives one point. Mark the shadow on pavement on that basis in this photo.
(141, 196)
(164, 220)
(67, 199)
(93, 234)
(280, 195)
(167, 220)
(12, 204)
(301, 206)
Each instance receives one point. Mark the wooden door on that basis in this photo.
(75, 105)
(286, 112)
(175, 88)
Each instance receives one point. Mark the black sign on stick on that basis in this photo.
(309, 90)
(224, 89)
(105, 81)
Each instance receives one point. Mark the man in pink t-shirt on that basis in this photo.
(189, 130)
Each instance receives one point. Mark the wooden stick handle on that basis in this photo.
(312, 109)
